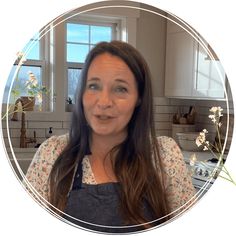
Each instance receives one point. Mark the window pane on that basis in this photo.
(33, 53)
(100, 33)
(77, 52)
(77, 33)
(20, 81)
(32, 49)
(73, 78)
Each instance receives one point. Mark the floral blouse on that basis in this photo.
(177, 181)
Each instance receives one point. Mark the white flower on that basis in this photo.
(39, 97)
(215, 117)
(32, 82)
(205, 131)
(216, 110)
(201, 139)
(213, 109)
(21, 58)
(193, 159)
(206, 146)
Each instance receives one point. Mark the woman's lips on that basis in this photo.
(104, 117)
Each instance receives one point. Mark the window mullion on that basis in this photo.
(89, 36)
(73, 68)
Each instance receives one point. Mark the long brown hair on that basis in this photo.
(137, 164)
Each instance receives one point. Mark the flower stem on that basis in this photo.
(230, 177)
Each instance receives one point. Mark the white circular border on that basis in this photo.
(214, 20)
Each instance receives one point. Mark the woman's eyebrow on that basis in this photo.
(122, 81)
(94, 79)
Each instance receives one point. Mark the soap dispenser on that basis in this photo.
(49, 133)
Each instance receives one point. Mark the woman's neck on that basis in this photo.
(101, 145)
(101, 163)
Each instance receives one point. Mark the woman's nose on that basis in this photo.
(104, 100)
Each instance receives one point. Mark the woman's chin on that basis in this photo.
(102, 132)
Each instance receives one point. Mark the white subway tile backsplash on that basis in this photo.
(14, 133)
(44, 124)
(162, 125)
(39, 141)
(209, 104)
(40, 133)
(162, 117)
(15, 142)
(66, 124)
(11, 124)
(163, 133)
(4, 132)
(203, 119)
(181, 102)
(59, 131)
(161, 101)
(29, 133)
(164, 109)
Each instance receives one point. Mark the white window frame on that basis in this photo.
(42, 63)
(115, 24)
(55, 67)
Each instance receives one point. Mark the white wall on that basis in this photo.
(151, 41)
(149, 37)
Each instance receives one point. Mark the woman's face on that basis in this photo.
(110, 96)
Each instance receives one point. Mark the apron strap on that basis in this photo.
(77, 181)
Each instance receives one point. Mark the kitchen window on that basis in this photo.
(80, 39)
(57, 58)
(33, 56)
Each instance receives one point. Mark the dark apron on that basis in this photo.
(96, 206)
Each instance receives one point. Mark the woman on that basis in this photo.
(111, 173)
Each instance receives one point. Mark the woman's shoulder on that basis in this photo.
(165, 141)
(50, 148)
(43, 160)
(170, 154)
(56, 140)
(177, 180)
(168, 144)
(54, 144)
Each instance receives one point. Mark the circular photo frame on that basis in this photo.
(191, 106)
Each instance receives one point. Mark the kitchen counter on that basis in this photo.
(201, 170)
(24, 157)
(22, 150)
(201, 156)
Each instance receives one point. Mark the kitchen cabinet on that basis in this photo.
(209, 76)
(189, 73)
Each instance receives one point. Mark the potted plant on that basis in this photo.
(33, 91)
(69, 105)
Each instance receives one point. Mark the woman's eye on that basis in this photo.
(93, 86)
(121, 90)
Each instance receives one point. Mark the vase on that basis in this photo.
(69, 107)
(27, 102)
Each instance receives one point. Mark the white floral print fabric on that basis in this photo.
(178, 184)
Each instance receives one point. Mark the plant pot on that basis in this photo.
(69, 107)
(28, 102)
(187, 141)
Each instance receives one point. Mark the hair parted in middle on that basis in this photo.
(137, 164)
